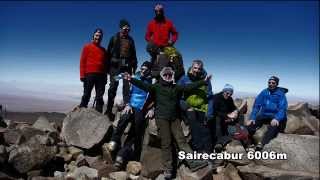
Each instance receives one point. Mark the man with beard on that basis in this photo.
(93, 70)
(167, 96)
(122, 50)
(198, 107)
(270, 107)
(135, 112)
(160, 33)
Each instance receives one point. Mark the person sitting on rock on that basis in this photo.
(270, 107)
(197, 106)
(135, 111)
(167, 96)
(93, 64)
(225, 117)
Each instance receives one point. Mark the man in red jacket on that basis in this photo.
(93, 70)
(160, 32)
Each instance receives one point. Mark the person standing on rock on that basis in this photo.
(270, 107)
(137, 111)
(197, 105)
(122, 50)
(93, 62)
(160, 33)
(167, 96)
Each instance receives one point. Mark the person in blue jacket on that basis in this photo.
(137, 110)
(270, 107)
(197, 106)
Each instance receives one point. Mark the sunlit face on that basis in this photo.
(97, 37)
(272, 84)
(144, 70)
(125, 30)
(196, 69)
(227, 95)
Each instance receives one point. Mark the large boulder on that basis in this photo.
(301, 121)
(34, 153)
(260, 172)
(85, 128)
(302, 153)
(151, 161)
(201, 174)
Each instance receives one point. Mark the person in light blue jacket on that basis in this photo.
(136, 111)
(270, 107)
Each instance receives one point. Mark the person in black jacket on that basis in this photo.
(123, 59)
(225, 113)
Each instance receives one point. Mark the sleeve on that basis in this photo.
(283, 106)
(210, 101)
(257, 105)
(191, 86)
(174, 33)
(134, 62)
(149, 33)
(110, 46)
(83, 62)
(144, 86)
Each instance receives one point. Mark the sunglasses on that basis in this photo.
(271, 82)
(144, 69)
(126, 29)
(167, 75)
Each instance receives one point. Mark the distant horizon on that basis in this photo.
(241, 43)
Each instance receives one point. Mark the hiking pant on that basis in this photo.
(221, 131)
(135, 135)
(169, 128)
(201, 138)
(112, 92)
(272, 131)
(97, 80)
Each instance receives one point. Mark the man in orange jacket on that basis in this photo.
(160, 32)
(93, 70)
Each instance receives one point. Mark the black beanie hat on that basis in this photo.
(123, 22)
(274, 78)
(147, 64)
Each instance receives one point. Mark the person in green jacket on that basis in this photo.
(167, 95)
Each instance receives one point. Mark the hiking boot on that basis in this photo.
(259, 147)
(111, 146)
(167, 174)
(195, 165)
(110, 115)
(118, 163)
(218, 148)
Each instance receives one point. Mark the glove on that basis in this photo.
(127, 109)
(150, 113)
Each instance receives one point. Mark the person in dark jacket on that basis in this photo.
(167, 96)
(270, 107)
(136, 111)
(198, 107)
(122, 50)
(225, 114)
(93, 64)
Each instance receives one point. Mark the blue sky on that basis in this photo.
(242, 43)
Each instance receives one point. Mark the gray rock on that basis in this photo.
(227, 173)
(260, 172)
(85, 128)
(43, 124)
(302, 153)
(134, 167)
(31, 154)
(151, 160)
(83, 171)
(120, 175)
(202, 174)
(106, 154)
(236, 147)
